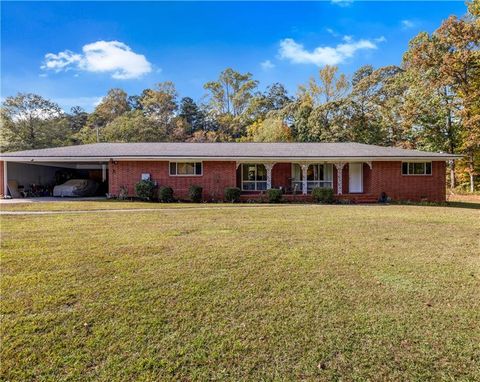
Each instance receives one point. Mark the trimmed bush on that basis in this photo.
(145, 189)
(165, 194)
(195, 193)
(323, 195)
(232, 194)
(274, 195)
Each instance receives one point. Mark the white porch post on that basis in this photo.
(268, 167)
(304, 178)
(5, 179)
(104, 172)
(339, 166)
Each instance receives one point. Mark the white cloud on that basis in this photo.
(267, 64)
(61, 61)
(342, 3)
(113, 57)
(407, 24)
(322, 55)
(380, 39)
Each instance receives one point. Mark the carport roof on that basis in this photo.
(222, 151)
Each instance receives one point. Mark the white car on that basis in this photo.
(76, 187)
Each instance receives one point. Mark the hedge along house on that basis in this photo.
(354, 171)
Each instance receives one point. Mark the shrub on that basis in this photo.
(323, 195)
(195, 193)
(274, 195)
(145, 189)
(232, 194)
(165, 194)
(123, 194)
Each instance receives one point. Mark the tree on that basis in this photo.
(373, 106)
(30, 121)
(274, 98)
(272, 129)
(330, 86)
(203, 136)
(113, 105)
(160, 103)
(192, 115)
(450, 59)
(231, 93)
(133, 126)
(318, 102)
(77, 118)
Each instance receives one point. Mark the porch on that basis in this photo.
(349, 180)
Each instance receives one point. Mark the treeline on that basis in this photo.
(430, 102)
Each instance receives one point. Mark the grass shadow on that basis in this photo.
(469, 205)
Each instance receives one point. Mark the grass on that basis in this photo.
(280, 293)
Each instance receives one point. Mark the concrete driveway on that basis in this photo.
(46, 199)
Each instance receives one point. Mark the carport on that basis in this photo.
(37, 177)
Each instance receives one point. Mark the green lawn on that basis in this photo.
(280, 293)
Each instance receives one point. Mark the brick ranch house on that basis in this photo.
(354, 171)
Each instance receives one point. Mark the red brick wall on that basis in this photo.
(281, 175)
(387, 177)
(383, 177)
(216, 176)
(2, 184)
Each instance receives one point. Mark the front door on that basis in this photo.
(355, 176)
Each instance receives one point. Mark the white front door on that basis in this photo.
(355, 176)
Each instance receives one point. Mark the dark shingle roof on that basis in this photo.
(224, 150)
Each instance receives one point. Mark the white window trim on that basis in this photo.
(425, 168)
(185, 175)
(310, 183)
(252, 181)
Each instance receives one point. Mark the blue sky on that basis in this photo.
(74, 52)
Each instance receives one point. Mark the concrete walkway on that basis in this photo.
(48, 199)
(198, 208)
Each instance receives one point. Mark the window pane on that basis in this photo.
(410, 168)
(297, 172)
(328, 171)
(248, 172)
(310, 173)
(198, 168)
(428, 168)
(419, 168)
(405, 168)
(173, 168)
(261, 172)
(185, 168)
(261, 186)
(248, 186)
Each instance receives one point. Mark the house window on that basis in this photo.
(318, 175)
(417, 168)
(186, 168)
(254, 177)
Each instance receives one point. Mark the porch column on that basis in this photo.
(268, 167)
(304, 178)
(104, 172)
(5, 179)
(339, 166)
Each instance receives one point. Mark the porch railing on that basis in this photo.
(311, 184)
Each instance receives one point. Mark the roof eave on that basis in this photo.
(225, 158)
